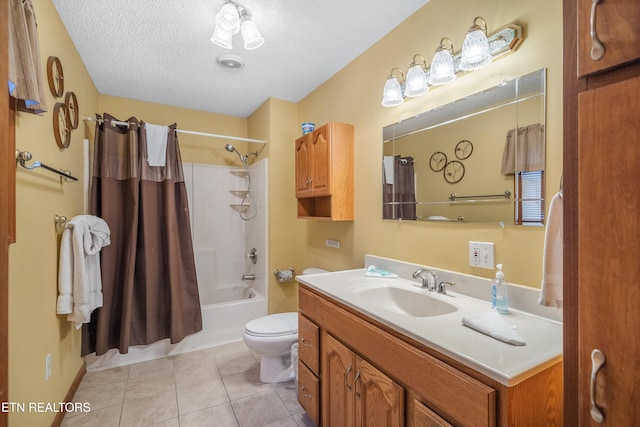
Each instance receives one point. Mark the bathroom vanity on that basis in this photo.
(366, 358)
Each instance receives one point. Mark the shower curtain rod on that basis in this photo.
(190, 132)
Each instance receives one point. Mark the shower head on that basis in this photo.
(230, 148)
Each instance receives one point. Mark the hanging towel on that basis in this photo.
(491, 323)
(551, 287)
(156, 144)
(387, 163)
(79, 282)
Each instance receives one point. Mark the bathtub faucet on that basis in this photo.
(248, 277)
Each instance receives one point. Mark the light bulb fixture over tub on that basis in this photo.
(232, 19)
(447, 66)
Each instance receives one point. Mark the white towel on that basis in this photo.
(79, 282)
(491, 323)
(156, 144)
(551, 287)
(387, 163)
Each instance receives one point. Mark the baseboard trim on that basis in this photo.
(57, 421)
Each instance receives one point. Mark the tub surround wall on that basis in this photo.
(221, 239)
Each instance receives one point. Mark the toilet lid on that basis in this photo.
(274, 324)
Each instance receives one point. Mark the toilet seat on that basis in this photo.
(273, 325)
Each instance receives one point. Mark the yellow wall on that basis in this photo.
(276, 120)
(353, 96)
(34, 328)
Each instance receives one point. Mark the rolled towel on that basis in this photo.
(492, 324)
(373, 271)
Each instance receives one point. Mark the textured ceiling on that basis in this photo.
(159, 50)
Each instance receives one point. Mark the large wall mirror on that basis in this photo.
(478, 159)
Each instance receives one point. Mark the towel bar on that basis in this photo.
(24, 156)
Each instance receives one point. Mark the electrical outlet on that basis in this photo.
(481, 254)
(47, 366)
(333, 243)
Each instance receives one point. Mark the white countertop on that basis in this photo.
(503, 362)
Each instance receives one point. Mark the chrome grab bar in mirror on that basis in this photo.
(506, 195)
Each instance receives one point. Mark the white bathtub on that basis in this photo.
(221, 323)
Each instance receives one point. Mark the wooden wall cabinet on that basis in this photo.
(615, 25)
(324, 173)
(601, 160)
(372, 375)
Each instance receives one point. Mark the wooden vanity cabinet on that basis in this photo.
(371, 372)
(354, 392)
(324, 173)
(309, 368)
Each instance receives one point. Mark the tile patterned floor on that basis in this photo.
(215, 387)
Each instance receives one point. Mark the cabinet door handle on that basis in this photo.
(355, 383)
(597, 360)
(346, 378)
(305, 343)
(597, 48)
(304, 392)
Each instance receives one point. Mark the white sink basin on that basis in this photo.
(401, 300)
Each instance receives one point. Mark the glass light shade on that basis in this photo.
(229, 18)
(442, 70)
(252, 37)
(416, 82)
(392, 92)
(475, 50)
(222, 37)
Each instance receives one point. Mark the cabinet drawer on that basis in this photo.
(308, 343)
(425, 417)
(309, 393)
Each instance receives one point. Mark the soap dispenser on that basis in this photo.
(500, 292)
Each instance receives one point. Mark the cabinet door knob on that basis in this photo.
(597, 48)
(597, 360)
(305, 343)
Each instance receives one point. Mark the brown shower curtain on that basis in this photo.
(149, 283)
(399, 198)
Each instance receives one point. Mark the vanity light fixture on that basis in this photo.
(416, 83)
(232, 19)
(475, 49)
(392, 93)
(499, 44)
(442, 68)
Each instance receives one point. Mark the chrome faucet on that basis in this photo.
(248, 277)
(430, 285)
(442, 287)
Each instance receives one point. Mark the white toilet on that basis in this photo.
(271, 337)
